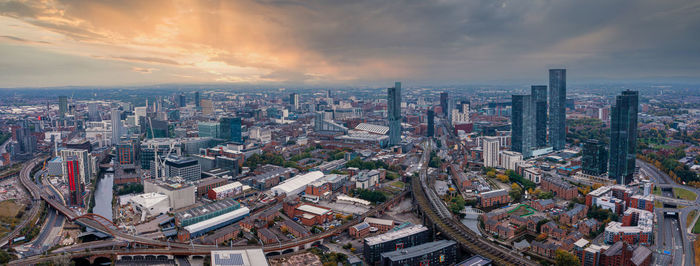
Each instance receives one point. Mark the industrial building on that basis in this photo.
(202, 213)
(297, 184)
(443, 252)
(150, 204)
(179, 195)
(225, 191)
(248, 257)
(201, 228)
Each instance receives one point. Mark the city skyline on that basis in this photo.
(282, 43)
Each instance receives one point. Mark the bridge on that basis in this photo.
(434, 212)
(34, 191)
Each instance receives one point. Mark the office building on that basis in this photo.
(180, 195)
(523, 125)
(623, 137)
(74, 184)
(294, 102)
(126, 153)
(394, 111)
(595, 158)
(444, 103)
(431, 123)
(187, 168)
(197, 99)
(231, 129)
(539, 96)
(491, 148)
(62, 106)
(209, 129)
(394, 240)
(207, 106)
(442, 252)
(557, 108)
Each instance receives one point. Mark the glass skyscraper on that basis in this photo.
(231, 129)
(595, 157)
(523, 125)
(444, 103)
(623, 136)
(557, 108)
(62, 106)
(394, 113)
(431, 123)
(539, 96)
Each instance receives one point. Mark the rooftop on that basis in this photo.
(313, 209)
(419, 250)
(392, 235)
(209, 208)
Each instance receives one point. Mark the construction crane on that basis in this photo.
(157, 159)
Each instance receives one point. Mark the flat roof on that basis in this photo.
(313, 209)
(419, 250)
(247, 257)
(193, 228)
(226, 187)
(372, 220)
(392, 235)
(211, 207)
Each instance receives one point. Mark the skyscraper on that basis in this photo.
(62, 106)
(196, 99)
(93, 112)
(444, 104)
(539, 96)
(431, 123)
(294, 101)
(523, 125)
(182, 100)
(116, 126)
(623, 136)
(394, 113)
(491, 147)
(74, 184)
(595, 158)
(557, 108)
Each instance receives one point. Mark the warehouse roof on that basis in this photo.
(230, 186)
(217, 220)
(419, 250)
(298, 182)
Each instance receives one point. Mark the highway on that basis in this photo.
(24, 177)
(672, 234)
(51, 230)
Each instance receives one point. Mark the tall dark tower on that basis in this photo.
(394, 113)
(62, 106)
(196, 100)
(522, 125)
(595, 157)
(444, 104)
(182, 100)
(557, 108)
(623, 136)
(539, 96)
(431, 123)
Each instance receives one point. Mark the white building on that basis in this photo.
(247, 257)
(491, 149)
(297, 184)
(226, 191)
(459, 117)
(83, 163)
(150, 204)
(510, 159)
(179, 195)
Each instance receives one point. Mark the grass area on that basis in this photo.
(657, 191)
(658, 204)
(684, 194)
(398, 184)
(10, 208)
(523, 210)
(696, 227)
(691, 216)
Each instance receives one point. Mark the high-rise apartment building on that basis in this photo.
(523, 125)
(83, 158)
(444, 103)
(62, 106)
(557, 108)
(75, 186)
(491, 148)
(394, 112)
(623, 136)
(182, 100)
(93, 112)
(595, 157)
(539, 96)
(196, 99)
(231, 129)
(116, 126)
(294, 101)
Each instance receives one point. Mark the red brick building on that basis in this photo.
(359, 230)
(494, 198)
(309, 214)
(559, 187)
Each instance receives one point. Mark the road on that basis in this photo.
(24, 177)
(51, 230)
(675, 230)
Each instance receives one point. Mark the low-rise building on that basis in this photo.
(295, 229)
(442, 252)
(382, 225)
(494, 198)
(394, 240)
(359, 230)
(573, 215)
(559, 187)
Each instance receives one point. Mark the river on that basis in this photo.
(103, 196)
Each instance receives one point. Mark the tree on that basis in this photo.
(516, 192)
(491, 174)
(502, 177)
(564, 258)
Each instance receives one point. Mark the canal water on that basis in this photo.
(103, 196)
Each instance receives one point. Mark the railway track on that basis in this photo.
(440, 216)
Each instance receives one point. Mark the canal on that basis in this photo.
(103, 196)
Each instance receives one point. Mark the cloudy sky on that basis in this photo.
(358, 42)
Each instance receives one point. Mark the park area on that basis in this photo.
(522, 210)
(684, 194)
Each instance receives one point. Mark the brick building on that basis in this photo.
(559, 187)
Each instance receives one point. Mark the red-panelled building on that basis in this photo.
(73, 175)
